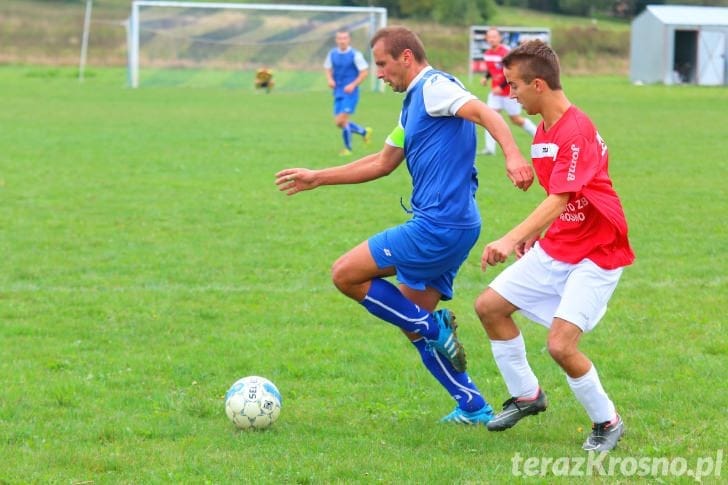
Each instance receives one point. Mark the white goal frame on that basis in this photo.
(378, 19)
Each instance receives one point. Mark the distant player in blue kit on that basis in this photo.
(346, 69)
(436, 134)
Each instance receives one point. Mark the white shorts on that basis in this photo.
(543, 289)
(504, 103)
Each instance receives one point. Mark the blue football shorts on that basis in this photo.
(346, 103)
(424, 255)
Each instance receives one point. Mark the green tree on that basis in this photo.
(463, 12)
(416, 8)
(584, 8)
(452, 12)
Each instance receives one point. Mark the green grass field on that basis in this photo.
(148, 261)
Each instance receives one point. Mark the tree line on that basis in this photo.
(468, 12)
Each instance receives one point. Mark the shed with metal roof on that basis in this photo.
(674, 44)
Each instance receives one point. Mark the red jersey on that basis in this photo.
(494, 64)
(572, 157)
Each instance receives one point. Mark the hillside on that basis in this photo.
(42, 32)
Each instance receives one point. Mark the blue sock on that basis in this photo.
(356, 128)
(384, 300)
(458, 384)
(346, 134)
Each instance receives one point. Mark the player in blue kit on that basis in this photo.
(437, 136)
(346, 69)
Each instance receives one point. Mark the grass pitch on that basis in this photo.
(148, 261)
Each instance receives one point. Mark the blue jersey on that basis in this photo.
(345, 67)
(440, 151)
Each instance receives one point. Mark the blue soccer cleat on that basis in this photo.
(447, 343)
(480, 417)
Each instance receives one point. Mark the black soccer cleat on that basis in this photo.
(516, 409)
(605, 436)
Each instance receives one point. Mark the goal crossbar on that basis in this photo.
(133, 32)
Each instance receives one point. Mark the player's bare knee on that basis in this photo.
(486, 310)
(559, 348)
(339, 275)
(481, 307)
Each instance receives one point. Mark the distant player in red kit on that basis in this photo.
(565, 278)
(499, 96)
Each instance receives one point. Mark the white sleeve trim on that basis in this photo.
(360, 62)
(444, 97)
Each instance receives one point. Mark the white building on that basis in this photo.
(674, 44)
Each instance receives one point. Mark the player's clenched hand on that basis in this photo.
(525, 246)
(520, 172)
(495, 253)
(294, 180)
(520, 249)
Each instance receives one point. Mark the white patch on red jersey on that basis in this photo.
(544, 150)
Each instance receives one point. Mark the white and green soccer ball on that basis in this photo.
(253, 402)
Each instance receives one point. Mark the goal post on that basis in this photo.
(178, 35)
(84, 40)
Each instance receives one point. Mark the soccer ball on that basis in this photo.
(253, 402)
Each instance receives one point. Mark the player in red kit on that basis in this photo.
(565, 278)
(499, 97)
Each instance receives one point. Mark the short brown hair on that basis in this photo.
(535, 59)
(397, 39)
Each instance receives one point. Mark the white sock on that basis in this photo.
(489, 142)
(529, 126)
(510, 357)
(590, 393)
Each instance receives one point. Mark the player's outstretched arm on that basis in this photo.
(370, 167)
(517, 169)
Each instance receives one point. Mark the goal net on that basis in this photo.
(224, 44)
